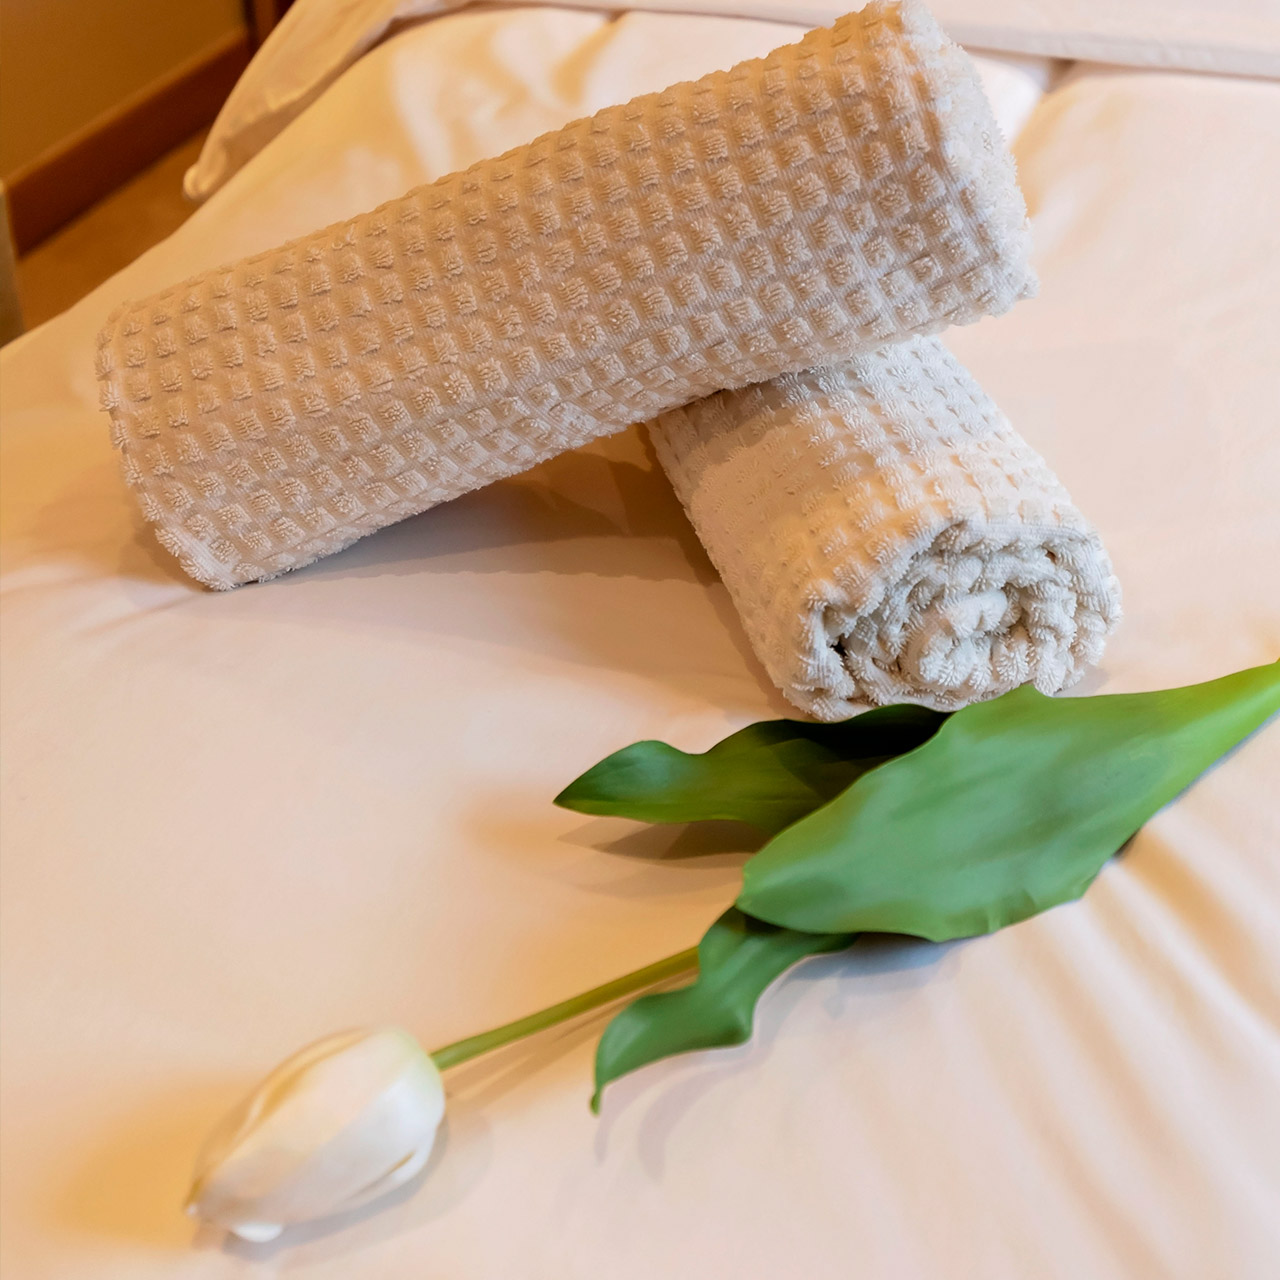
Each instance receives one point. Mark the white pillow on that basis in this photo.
(319, 39)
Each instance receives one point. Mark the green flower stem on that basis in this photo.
(473, 1046)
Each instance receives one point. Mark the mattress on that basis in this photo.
(234, 823)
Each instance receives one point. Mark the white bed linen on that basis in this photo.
(319, 39)
(234, 823)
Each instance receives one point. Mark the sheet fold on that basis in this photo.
(887, 536)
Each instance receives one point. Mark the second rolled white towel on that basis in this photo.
(888, 537)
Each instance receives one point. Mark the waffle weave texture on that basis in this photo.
(887, 536)
(844, 192)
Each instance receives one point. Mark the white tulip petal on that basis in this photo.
(256, 1232)
(337, 1125)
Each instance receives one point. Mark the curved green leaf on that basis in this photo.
(768, 774)
(738, 958)
(1012, 807)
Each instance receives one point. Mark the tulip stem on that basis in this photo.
(463, 1050)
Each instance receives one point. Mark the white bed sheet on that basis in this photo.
(235, 822)
(319, 39)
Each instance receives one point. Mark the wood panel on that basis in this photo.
(67, 179)
(10, 308)
(262, 15)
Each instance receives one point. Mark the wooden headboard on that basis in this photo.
(262, 15)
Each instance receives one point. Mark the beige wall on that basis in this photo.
(65, 62)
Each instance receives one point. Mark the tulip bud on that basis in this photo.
(336, 1125)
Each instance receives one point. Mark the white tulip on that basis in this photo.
(336, 1125)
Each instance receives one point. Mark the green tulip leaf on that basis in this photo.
(768, 774)
(1012, 807)
(738, 958)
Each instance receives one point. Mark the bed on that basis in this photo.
(235, 822)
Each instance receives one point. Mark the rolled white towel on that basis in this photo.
(844, 192)
(887, 536)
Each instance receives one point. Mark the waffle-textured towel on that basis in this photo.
(844, 192)
(887, 536)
